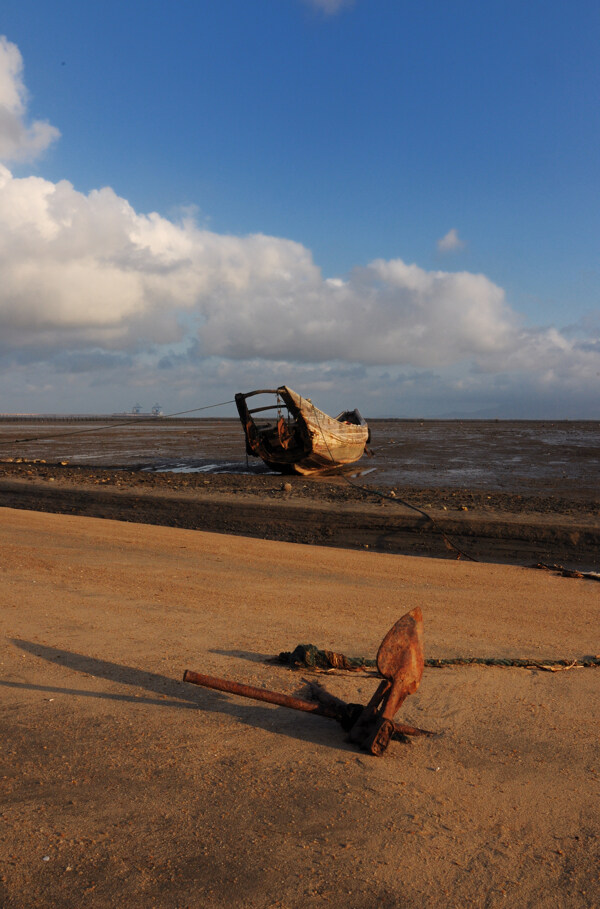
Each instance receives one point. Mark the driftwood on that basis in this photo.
(569, 572)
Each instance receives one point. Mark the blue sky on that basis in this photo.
(387, 204)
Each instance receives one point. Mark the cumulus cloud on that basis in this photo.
(87, 272)
(18, 141)
(450, 242)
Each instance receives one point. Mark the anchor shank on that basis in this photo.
(257, 694)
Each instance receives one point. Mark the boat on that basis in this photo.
(291, 435)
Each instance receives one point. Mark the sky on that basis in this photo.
(383, 204)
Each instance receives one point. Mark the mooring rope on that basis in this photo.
(106, 425)
(395, 499)
(308, 656)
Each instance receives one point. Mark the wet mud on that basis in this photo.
(193, 474)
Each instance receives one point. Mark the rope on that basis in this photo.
(111, 425)
(549, 665)
(397, 501)
(308, 656)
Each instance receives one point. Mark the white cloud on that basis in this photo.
(18, 142)
(450, 242)
(88, 273)
(330, 7)
(89, 270)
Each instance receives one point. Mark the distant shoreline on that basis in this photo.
(148, 417)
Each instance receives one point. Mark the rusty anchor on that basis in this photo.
(400, 664)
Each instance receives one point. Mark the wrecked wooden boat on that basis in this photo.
(291, 435)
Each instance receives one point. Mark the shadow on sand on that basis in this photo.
(168, 692)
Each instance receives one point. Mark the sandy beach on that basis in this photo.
(122, 786)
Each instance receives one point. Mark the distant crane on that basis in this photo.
(136, 409)
(157, 410)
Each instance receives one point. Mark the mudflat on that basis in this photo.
(518, 492)
(123, 786)
(445, 522)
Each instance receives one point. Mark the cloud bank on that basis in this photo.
(89, 271)
(91, 287)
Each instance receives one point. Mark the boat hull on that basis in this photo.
(308, 441)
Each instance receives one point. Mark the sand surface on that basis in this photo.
(122, 786)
